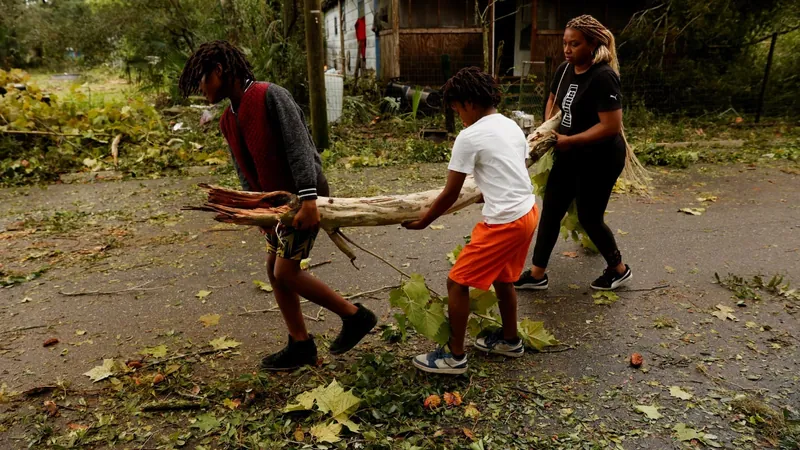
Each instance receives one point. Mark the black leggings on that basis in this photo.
(588, 178)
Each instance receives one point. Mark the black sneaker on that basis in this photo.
(354, 328)
(293, 356)
(527, 281)
(611, 280)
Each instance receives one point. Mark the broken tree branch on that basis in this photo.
(130, 289)
(374, 291)
(14, 330)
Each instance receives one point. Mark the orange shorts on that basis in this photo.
(495, 253)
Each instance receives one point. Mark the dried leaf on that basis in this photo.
(299, 436)
(158, 378)
(692, 211)
(471, 411)
(327, 432)
(99, 373)
(234, 404)
(266, 287)
(223, 343)
(677, 392)
(209, 319)
(452, 399)
(708, 198)
(724, 313)
(159, 351)
(305, 263)
(468, 433)
(669, 269)
(650, 411)
(622, 233)
(77, 426)
(50, 342)
(432, 401)
(605, 298)
(437, 227)
(636, 360)
(331, 399)
(570, 254)
(51, 408)
(202, 294)
(684, 433)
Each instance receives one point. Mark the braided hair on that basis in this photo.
(205, 59)
(472, 85)
(594, 31)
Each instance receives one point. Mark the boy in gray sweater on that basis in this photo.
(272, 150)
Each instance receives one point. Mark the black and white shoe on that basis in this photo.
(528, 282)
(496, 344)
(611, 280)
(440, 361)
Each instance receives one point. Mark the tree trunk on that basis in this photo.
(315, 60)
(268, 209)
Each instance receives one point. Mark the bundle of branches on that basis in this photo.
(268, 209)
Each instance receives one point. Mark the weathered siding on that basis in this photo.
(333, 38)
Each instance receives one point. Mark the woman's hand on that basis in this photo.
(308, 216)
(563, 142)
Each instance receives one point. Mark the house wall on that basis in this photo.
(333, 52)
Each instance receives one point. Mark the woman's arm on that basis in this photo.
(548, 110)
(609, 126)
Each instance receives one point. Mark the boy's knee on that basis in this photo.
(284, 274)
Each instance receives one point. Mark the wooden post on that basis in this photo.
(449, 116)
(766, 76)
(342, 24)
(316, 77)
(534, 27)
(396, 36)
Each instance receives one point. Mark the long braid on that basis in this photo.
(606, 52)
(233, 61)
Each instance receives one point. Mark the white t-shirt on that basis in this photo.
(494, 149)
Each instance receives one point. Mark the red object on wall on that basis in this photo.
(361, 36)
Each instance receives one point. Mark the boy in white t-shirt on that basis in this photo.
(493, 149)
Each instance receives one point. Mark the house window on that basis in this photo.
(336, 26)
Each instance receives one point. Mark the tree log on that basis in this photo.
(268, 209)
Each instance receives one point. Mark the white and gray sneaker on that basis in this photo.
(611, 280)
(526, 281)
(495, 343)
(440, 361)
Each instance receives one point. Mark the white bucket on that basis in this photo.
(334, 95)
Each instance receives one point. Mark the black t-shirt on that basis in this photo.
(582, 96)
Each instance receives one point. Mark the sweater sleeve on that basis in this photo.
(301, 153)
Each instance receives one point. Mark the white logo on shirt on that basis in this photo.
(613, 96)
(566, 105)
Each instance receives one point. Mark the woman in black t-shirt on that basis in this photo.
(590, 153)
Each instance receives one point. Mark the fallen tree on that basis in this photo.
(268, 209)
